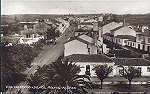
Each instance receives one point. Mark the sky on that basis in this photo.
(9, 7)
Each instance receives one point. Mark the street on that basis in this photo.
(47, 56)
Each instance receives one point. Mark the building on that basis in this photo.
(108, 27)
(122, 40)
(123, 30)
(88, 62)
(142, 64)
(143, 41)
(82, 44)
(85, 25)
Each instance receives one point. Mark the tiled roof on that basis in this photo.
(79, 39)
(87, 38)
(132, 38)
(111, 26)
(116, 28)
(88, 58)
(108, 34)
(125, 29)
(131, 61)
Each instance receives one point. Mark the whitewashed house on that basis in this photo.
(30, 37)
(143, 41)
(80, 45)
(88, 62)
(142, 64)
(122, 40)
(85, 25)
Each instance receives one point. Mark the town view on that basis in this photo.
(75, 53)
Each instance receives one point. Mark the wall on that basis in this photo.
(143, 70)
(92, 64)
(75, 47)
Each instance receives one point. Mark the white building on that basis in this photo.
(88, 62)
(142, 64)
(80, 45)
(125, 30)
(122, 39)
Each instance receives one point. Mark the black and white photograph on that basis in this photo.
(75, 47)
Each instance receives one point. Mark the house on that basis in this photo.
(88, 62)
(143, 41)
(30, 37)
(122, 40)
(11, 39)
(142, 64)
(85, 25)
(81, 31)
(108, 27)
(82, 44)
(123, 30)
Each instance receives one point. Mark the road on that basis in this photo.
(47, 56)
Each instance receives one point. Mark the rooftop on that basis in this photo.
(125, 29)
(131, 61)
(132, 38)
(86, 23)
(88, 58)
(111, 26)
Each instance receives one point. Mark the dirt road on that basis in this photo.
(47, 56)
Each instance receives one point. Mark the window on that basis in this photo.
(87, 72)
(148, 48)
(148, 69)
(138, 46)
(133, 44)
(148, 40)
(139, 68)
(143, 47)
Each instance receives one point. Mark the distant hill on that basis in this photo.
(135, 18)
(130, 18)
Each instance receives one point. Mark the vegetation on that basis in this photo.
(130, 73)
(102, 72)
(63, 75)
(15, 60)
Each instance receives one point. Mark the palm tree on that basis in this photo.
(62, 75)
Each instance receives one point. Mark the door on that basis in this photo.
(143, 48)
(139, 46)
(139, 68)
(148, 48)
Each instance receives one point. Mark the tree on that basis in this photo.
(130, 73)
(60, 74)
(102, 72)
(10, 69)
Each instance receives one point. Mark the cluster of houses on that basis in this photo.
(87, 49)
(126, 36)
(32, 32)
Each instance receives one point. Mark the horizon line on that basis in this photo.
(76, 13)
